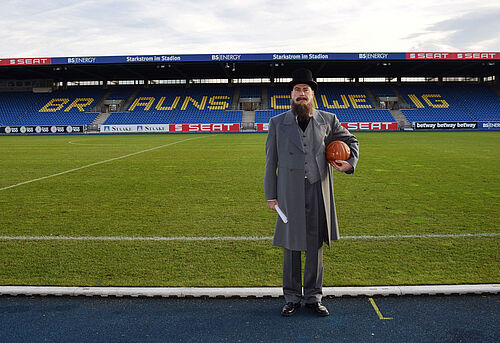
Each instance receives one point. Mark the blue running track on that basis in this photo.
(464, 318)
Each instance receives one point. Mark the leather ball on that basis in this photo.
(337, 150)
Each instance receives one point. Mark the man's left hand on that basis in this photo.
(341, 166)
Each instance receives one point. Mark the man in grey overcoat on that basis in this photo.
(298, 179)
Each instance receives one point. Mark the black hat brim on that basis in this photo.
(312, 84)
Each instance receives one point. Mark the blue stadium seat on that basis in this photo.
(63, 107)
(451, 102)
(179, 105)
(212, 104)
(349, 102)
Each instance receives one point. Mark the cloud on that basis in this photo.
(108, 27)
(477, 30)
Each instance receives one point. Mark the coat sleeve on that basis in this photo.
(270, 176)
(340, 133)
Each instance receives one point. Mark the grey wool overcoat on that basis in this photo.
(284, 173)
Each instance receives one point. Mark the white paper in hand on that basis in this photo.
(281, 214)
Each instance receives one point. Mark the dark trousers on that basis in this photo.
(313, 268)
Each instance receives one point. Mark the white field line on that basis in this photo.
(93, 144)
(244, 292)
(237, 238)
(98, 163)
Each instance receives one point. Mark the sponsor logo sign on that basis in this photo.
(205, 127)
(41, 129)
(370, 126)
(134, 128)
(373, 56)
(253, 57)
(353, 126)
(262, 126)
(452, 55)
(445, 125)
(205, 58)
(25, 61)
(227, 57)
(79, 60)
(150, 128)
(491, 125)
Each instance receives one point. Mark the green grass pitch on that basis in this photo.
(212, 185)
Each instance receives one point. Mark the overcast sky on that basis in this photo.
(33, 28)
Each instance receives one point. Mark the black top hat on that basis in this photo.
(302, 75)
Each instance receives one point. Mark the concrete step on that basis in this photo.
(101, 118)
(403, 122)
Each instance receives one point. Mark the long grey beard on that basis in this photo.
(302, 111)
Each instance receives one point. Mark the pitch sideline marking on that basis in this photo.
(379, 314)
(237, 238)
(97, 163)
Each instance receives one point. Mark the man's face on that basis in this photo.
(302, 94)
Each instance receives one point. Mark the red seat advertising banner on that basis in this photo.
(365, 126)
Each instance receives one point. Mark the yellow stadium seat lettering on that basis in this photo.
(438, 102)
(274, 104)
(335, 103)
(160, 107)
(143, 101)
(198, 105)
(218, 105)
(415, 100)
(54, 105)
(357, 101)
(79, 103)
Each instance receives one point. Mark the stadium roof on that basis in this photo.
(237, 66)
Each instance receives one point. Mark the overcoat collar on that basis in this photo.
(320, 128)
(291, 131)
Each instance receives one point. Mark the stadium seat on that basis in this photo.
(451, 102)
(349, 102)
(63, 107)
(212, 104)
(179, 105)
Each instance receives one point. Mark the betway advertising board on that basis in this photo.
(457, 125)
(364, 126)
(446, 125)
(173, 128)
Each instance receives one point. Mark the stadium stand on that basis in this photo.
(68, 107)
(177, 105)
(121, 93)
(451, 102)
(349, 102)
(251, 91)
(381, 89)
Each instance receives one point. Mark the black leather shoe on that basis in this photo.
(319, 308)
(289, 309)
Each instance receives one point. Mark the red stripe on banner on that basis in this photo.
(204, 127)
(25, 61)
(262, 126)
(369, 126)
(453, 55)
